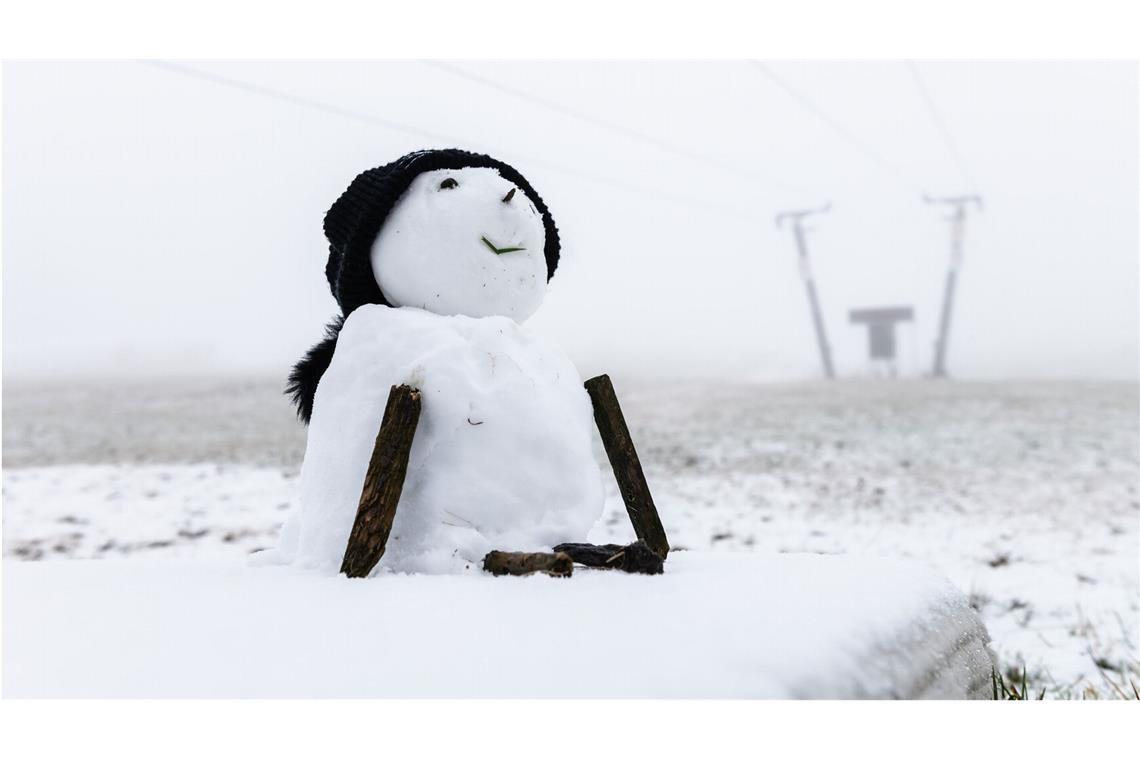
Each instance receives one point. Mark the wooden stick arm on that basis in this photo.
(627, 467)
(383, 483)
(555, 564)
(633, 558)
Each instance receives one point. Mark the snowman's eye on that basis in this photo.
(448, 183)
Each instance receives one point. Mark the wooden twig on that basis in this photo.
(383, 483)
(523, 563)
(634, 558)
(626, 465)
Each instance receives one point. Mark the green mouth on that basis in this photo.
(501, 251)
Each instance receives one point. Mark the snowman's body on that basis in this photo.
(502, 456)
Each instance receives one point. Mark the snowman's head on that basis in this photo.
(463, 241)
(449, 231)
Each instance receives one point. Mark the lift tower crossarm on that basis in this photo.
(958, 205)
(796, 218)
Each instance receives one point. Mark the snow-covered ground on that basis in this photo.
(1023, 494)
(755, 626)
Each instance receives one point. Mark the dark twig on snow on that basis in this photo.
(626, 465)
(634, 558)
(523, 563)
(383, 483)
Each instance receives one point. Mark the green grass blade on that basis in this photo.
(501, 251)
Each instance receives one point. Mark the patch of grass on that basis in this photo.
(1012, 692)
(1120, 690)
(978, 600)
(1011, 683)
(999, 560)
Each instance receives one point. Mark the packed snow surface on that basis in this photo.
(453, 245)
(1024, 494)
(714, 625)
(502, 456)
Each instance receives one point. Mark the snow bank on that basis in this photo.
(715, 625)
(502, 457)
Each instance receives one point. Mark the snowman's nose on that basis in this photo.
(508, 196)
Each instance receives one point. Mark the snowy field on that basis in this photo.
(1024, 495)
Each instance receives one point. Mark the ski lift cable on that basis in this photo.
(329, 108)
(940, 123)
(837, 127)
(732, 167)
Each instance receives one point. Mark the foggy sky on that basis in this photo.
(154, 222)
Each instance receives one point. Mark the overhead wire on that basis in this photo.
(837, 127)
(731, 166)
(335, 110)
(940, 123)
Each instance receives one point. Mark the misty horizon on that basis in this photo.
(166, 220)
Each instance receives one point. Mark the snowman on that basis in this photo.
(436, 260)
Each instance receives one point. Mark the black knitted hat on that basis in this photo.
(354, 221)
(351, 226)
